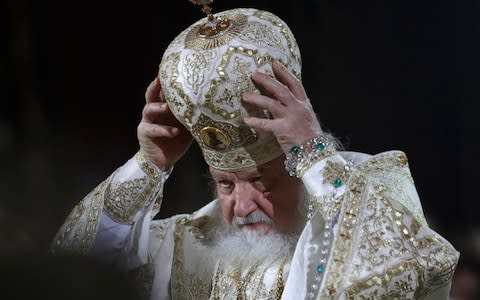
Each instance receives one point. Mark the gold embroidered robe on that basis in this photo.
(382, 246)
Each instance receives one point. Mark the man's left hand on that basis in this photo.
(293, 119)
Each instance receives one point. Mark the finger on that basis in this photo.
(151, 111)
(271, 87)
(287, 78)
(271, 105)
(260, 123)
(153, 92)
(151, 130)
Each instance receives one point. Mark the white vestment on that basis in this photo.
(380, 246)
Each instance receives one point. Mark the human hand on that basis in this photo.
(162, 138)
(293, 119)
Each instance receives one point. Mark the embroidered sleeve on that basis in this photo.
(130, 189)
(133, 188)
(77, 234)
(325, 182)
(383, 247)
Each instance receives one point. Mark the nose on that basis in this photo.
(245, 197)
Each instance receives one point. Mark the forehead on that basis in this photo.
(267, 169)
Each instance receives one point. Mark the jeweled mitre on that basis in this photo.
(207, 68)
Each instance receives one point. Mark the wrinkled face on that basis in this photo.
(260, 198)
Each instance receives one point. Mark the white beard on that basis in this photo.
(232, 244)
(235, 245)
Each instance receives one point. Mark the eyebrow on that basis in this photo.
(219, 175)
(240, 174)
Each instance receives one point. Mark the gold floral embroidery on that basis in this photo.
(195, 66)
(209, 79)
(238, 158)
(408, 262)
(219, 85)
(336, 173)
(316, 157)
(398, 282)
(147, 167)
(327, 206)
(261, 34)
(395, 163)
(292, 44)
(123, 200)
(342, 242)
(237, 282)
(180, 105)
(186, 285)
(77, 234)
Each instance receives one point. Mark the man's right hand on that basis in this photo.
(163, 139)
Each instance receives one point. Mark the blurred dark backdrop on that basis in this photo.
(382, 75)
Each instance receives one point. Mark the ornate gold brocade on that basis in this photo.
(186, 285)
(241, 283)
(380, 219)
(207, 75)
(292, 43)
(124, 199)
(334, 171)
(78, 232)
(315, 158)
(194, 40)
(238, 158)
(221, 86)
(195, 62)
(181, 106)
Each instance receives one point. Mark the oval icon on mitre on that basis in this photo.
(215, 138)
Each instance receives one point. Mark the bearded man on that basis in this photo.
(293, 219)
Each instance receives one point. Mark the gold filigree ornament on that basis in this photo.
(205, 71)
(216, 32)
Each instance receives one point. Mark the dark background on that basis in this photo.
(382, 75)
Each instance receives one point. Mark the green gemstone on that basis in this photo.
(295, 150)
(320, 146)
(320, 269)
(337, 183)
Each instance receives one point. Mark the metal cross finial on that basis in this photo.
(205, 7)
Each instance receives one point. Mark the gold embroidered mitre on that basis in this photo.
(207, 68)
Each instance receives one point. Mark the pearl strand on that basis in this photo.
(322, 251)
(327, 234)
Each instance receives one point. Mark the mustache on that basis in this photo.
(254, 217)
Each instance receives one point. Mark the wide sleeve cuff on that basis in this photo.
(133, 187)
(325, 182)
(123, 199)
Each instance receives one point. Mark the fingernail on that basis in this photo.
(255, 73)
(278, 64)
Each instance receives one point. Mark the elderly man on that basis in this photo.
(293, 218)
